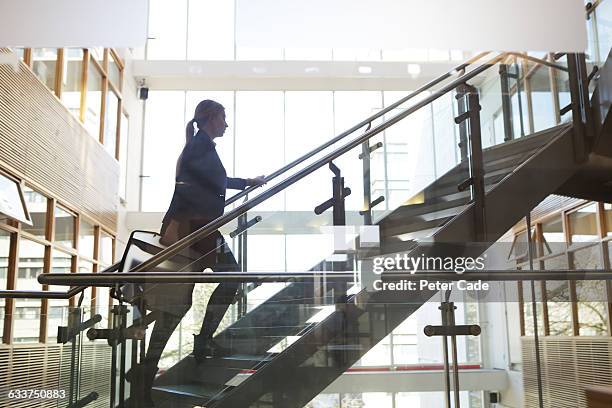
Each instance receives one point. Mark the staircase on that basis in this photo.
(322, 350)
(288, 349)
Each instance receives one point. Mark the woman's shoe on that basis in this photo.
(138, 403)
(205, 347)
(141, 378)
(139, 372)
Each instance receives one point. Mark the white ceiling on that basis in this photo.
(514, 25)
(77, 23)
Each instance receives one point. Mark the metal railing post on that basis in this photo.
(365, 157)
(242, 261)
(74, 321)
(536, 335)
(476, 163)
(463, 130)
(367, 183)
(506, 102)
(579, 116)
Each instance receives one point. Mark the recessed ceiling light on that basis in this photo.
(311, 70)
(259, 70)
(365, 69)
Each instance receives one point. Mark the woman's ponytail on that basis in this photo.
(189, 131)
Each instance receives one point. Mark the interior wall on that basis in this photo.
(44, 144)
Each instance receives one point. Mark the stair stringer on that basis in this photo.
(369, 316)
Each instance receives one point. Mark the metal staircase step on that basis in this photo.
(404, 212)
(418, 224)
(188, 393)
(276, 331)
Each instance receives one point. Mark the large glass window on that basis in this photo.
(164, 141)
(259, 253)
(407, 156)
(30, 264)
(309, 122)
(19, 51)
(37, 207)
(553, 235)
(608, 218)
(445, 143)
(86, 239)
(44, 63)
(308, 54)
(64, 227)
(167, 29)
(114, 71)
(591, 295)
(86, 267)
(72, 79)
(319, 247)
(26, 321)
(123, 154)
(2, 313)
(94, 100)
(211, 30)
(61, 262)
(527, 305)
(111, 117)
(260, 132)
(5, 242)
(558, 300)
(583, 224)
(350, 108)
(106, 249)
(541, 100)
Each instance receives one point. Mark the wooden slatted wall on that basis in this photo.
(569, 364)
(43, 143)
(47, 367)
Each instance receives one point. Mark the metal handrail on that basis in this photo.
(45, 294)
(248, 205)
(361, 124)
(493, 275)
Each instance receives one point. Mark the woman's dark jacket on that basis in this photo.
(201, 181)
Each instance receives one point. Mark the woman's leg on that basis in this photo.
(165, 324)
(144, 375)
(225, 293)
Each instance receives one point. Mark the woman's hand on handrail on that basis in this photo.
(257, 181)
